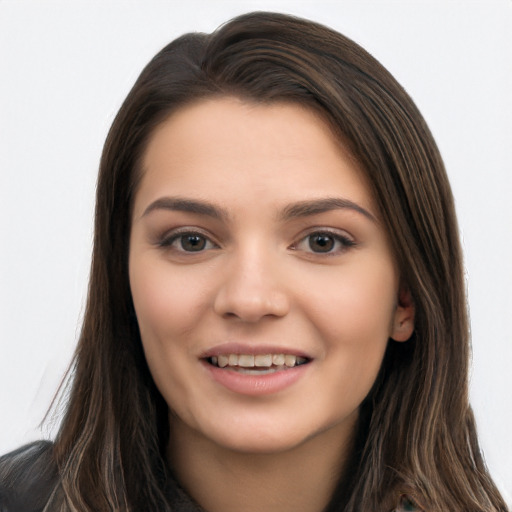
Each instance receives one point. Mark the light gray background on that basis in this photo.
(65, 67)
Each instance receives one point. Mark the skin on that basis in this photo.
(260, 279)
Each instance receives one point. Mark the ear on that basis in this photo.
(403, 318)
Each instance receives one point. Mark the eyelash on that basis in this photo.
(340, 243)
(168, 241)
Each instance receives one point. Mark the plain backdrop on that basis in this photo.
(66, 66)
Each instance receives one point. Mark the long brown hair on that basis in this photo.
(416, 432)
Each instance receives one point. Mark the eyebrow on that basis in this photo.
(300, 209)
(317, 206)
(182, 204)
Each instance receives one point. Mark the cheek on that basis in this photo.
(167, 306)
(353, 313)
(167, 302)
(352, 319)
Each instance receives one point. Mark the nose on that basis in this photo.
(251, 288)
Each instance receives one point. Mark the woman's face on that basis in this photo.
(263, 282)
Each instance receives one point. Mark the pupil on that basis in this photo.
(193, 243)
(321, 243)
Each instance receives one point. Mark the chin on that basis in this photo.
(261, 444)
(252, 435)
(273, 436)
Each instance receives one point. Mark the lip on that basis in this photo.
(255, 385)
(241, 348)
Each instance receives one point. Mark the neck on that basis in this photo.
(222, 480)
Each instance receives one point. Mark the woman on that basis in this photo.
(276, 315)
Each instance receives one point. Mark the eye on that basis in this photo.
(189, 241)
(324, 242)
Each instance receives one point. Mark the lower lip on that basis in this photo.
(256, 385)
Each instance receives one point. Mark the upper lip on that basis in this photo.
(252, 349)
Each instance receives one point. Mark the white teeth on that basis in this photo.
(278, 359)
(241, 361)
(264, 360)
(246, 360)
(290, 360)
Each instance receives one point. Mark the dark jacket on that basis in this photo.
(29, 476)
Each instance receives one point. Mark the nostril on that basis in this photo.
(251, 309)
(250, 290)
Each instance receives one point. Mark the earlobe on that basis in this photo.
(403, 321)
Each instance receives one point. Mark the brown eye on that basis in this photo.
(321, 242)
(325, 242)
(189, 241)
(192, 242)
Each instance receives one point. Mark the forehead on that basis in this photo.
(231, 148)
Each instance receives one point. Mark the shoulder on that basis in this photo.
(27, 477)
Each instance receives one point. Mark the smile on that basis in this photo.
(256, 374)
(257, 364)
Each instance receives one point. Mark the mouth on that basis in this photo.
(257, 370)
(260, 364)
